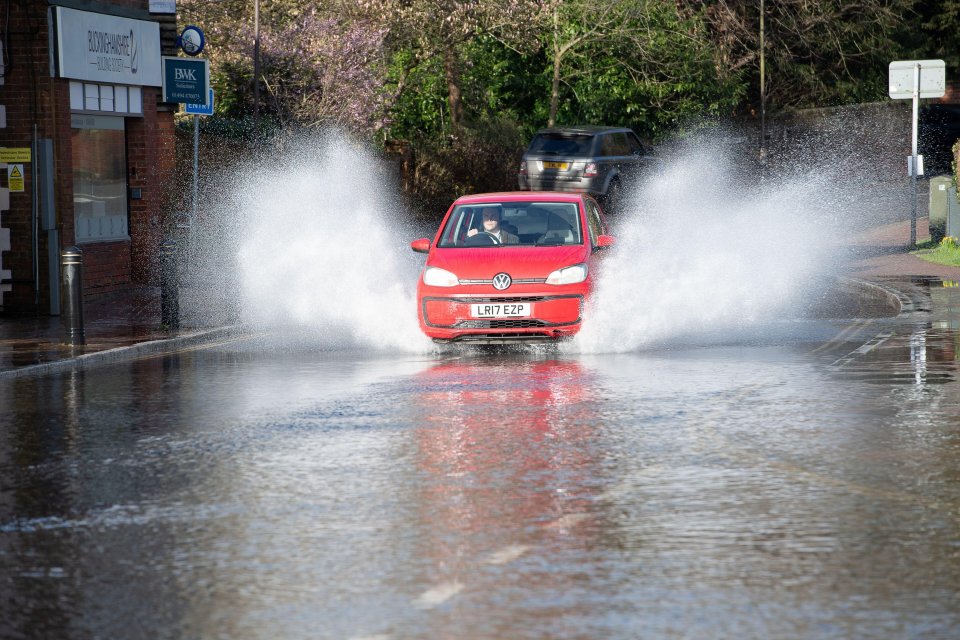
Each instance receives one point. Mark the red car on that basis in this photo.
(510, 267)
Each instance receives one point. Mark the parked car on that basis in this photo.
(589, 159)
(511, 267)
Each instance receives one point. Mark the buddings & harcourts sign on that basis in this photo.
(102, 48)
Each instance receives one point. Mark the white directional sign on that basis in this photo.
(932, 78)
(913, 80)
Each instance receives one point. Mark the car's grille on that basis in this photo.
(500, 324)
(517, 281)
(501, 300)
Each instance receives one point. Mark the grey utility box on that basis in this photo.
(939, 197)
(953, 213)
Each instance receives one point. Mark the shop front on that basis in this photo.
(101, 147)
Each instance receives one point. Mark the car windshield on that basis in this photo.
(562, 144)
(520, 224)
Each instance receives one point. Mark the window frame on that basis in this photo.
(112, 226)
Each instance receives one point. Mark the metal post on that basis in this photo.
(763, 92)
(196, 168)
(169, 286)
(914, 167)
(256, 58)
(35, 219)
(71, 295)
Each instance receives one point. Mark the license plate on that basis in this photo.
(501, 310)
(555, 165)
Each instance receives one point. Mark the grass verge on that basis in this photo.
(947, 252)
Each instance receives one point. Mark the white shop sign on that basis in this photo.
(101, 48)
(163, 6)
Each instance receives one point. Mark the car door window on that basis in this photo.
(615, 144)
(636, 147)
(608, 146)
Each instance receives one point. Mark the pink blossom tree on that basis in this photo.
(317, 66)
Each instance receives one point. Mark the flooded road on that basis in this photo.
(800, 480)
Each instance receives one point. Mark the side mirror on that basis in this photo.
(604, 242)
(421, 246)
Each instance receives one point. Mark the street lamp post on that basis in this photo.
(256, 58)
(763, 93)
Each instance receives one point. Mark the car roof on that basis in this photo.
(520, 196)
(588, 128)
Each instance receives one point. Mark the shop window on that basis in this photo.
(99, 178)
(116, 99)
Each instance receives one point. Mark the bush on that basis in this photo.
(437, 170)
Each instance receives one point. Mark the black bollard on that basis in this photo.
(71, 295)
(169, 285)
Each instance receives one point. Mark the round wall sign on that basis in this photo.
(191, 40)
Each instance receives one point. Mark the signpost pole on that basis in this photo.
(197, 110)
(914, 164)
(196, 168)
(906, 82)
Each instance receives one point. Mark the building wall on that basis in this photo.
(37, 103)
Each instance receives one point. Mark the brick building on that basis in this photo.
(86, 147)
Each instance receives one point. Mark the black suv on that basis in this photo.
(596, 160)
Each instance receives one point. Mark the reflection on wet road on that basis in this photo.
(800, 483)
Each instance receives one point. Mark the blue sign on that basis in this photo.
(186, 80)
(200, 109)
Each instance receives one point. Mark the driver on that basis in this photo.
(491, 225)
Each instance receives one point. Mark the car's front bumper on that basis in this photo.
(553, 316)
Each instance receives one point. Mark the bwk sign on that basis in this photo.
(186, 80)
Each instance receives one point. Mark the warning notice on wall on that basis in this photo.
(15, 154)
(15, 177)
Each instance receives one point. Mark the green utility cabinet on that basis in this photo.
(940, 194)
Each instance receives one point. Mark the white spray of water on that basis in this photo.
(322, 242)
(323, 248)
(699, 251)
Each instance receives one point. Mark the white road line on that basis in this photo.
(865, 348)
(507, 554)
(437, 595)
(567, 521)
(837, 339)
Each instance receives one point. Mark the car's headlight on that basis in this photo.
(436, 277)
(569, 275)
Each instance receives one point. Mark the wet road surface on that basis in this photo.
(798, 481)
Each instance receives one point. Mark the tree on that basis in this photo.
(938, 36)
(431, 30)
(576, 24)
(317, 65)
(321, 69)
(632, 62)
(818, 52)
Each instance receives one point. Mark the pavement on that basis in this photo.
(128, 325)
(884, 252)
(116, 327)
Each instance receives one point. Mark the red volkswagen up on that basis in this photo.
(511, 267)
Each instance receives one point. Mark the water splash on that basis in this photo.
(321, 239)
(322, 245)
(703, 248)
